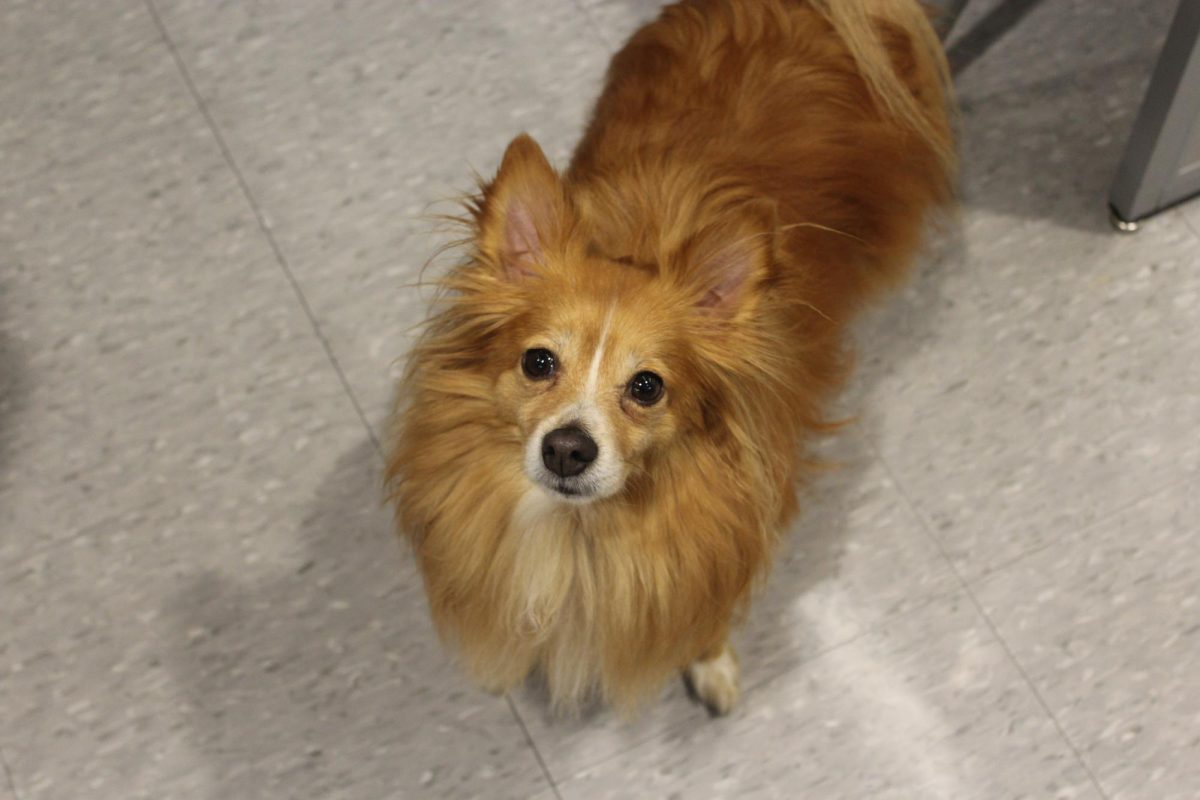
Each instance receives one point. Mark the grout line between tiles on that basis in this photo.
(280, 259)
(1187, 222)
(299, 292)
(966, 587)
(8, 776)
(750, 690)
(991, 572)
(532, 746)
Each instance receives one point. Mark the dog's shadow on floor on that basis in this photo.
(13, 383)
(326, 679)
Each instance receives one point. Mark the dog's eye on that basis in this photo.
(646, 388)
(538, 363)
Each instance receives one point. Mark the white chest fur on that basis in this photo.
(554, 595)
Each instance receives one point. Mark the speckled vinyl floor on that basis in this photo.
(208, 217)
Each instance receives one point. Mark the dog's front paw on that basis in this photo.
(715, 682)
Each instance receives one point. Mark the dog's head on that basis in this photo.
(603, 356)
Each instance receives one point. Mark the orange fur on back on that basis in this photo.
(754, 171)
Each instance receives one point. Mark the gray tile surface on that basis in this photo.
(1191, 215)
(1106, 622)
(7, 789)
(615, 20)
(928, 707)
(80, 84)
(1031, 391)
(202, 595)
(145, 321)
(354, 123)
(287, 654)
(1021, 384)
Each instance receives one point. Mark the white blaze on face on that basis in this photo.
(605, 476)
(593, 376)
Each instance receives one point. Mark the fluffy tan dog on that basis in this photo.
(599, 438)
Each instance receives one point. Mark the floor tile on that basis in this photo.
(7, 790)
(929, 706)
(1190, 212)
(614, 21)
(352, 122)
(146, 329)
(1001, 387)
(1068, 40)
(1031, 408)
(198, 576)
(1104, 621)
(856, 558)
(80, 84)
(279, 652)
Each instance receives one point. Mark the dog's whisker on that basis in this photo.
(826, 228)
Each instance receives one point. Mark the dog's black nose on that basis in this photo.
(568, 451)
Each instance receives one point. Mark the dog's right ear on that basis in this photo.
(726, 263)
(524, 211)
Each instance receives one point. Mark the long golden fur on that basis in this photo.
(754, 171)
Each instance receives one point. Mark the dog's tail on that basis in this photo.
(863, 25)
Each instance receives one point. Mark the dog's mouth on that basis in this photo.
(575, 490)
(567, 490)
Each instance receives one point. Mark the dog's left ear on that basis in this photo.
(524, 211)
(729, 261)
